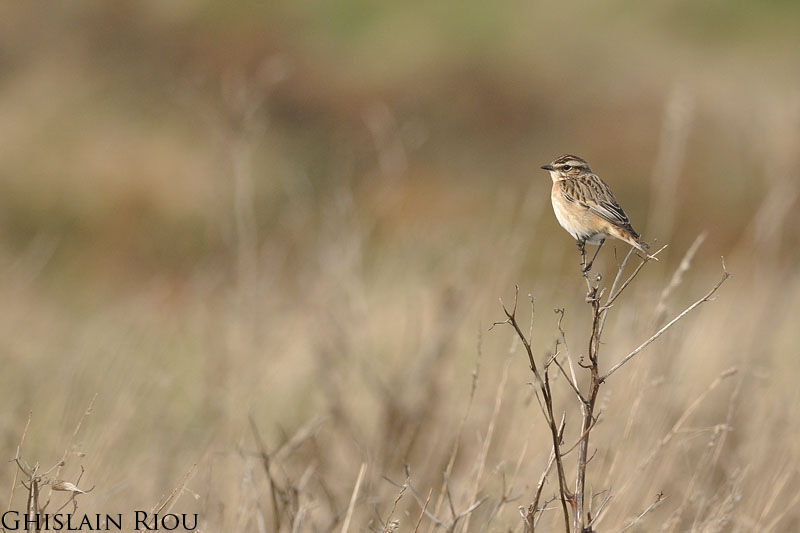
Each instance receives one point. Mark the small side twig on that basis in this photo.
(638, 518)
(533, 509)
(657, 334)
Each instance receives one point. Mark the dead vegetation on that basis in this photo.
(280, 296)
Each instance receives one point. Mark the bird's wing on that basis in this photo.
(593, 194)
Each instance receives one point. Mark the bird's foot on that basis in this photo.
(592, 295)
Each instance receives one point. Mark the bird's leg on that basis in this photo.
(588, 267)
(582, 250)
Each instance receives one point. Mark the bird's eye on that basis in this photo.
(566, 167)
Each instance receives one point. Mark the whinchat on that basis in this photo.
(585, 206)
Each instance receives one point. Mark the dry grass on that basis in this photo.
(374, 366)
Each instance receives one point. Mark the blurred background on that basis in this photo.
(299, 217)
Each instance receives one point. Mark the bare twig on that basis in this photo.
(388, 526)
(582, 516)
(612, 296)
(593, 520)
(533, 509)
(657, 334)
(583, 436)
(571, 378)
(423, 506)
(638, 518)
(617, 278)
(422, 511)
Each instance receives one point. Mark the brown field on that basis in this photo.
(266, 244)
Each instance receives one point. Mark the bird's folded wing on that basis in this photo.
(611, 212)
(597, 197)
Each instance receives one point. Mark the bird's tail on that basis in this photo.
(631, 237)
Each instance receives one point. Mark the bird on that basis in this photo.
(585, 206)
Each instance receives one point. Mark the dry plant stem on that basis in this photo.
(169, 501)
(422, 512)
(531, 516)
(543, 383)
(353, 498)
(659, 499)
(16, 458)
(33, 501)
(587, 409)
(36, 480)
(507, 488)
(595, 514)
(265, 461)
(63, 461)
(617, 278)
(612, 296)
(780, 516)
(303, 434)
(778, 485)
(447, 526)
(387, 525)
(670, 158)
(588, 400)
(422, 505)
(451, 462)
(572, 379)
(688, 412)
(657, 334)
(487, 441)
(72, 498)
(677, 277)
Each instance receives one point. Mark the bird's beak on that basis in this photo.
(546, 167)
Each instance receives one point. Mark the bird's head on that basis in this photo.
(567, 166)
